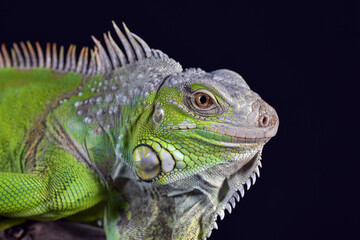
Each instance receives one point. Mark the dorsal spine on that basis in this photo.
(99, 61)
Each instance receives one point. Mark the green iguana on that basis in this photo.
(127, 135)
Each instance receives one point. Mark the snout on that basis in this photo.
(268, 119)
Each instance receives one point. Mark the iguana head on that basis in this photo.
(202, 139)
(200, 120)
(196, 143)
(188, 142)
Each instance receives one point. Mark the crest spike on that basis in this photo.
(129, 51)
(48, 56)
(54, 57)
(86, 59)
(40, 54)
(32, 54)
(26, 55)
(112, 52)
(73, 59)
(1, 61)
(68, 58)
(118, 51)
(99, 66)
(13, 57)
(105, 61)
(61, 59)
(7, 60)
(138, 50)
(92, 63)
(79, 64)
(143, 44)
(19, 55)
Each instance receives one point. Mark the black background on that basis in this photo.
(301, 56)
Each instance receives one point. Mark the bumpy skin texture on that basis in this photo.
(39, 178)
(166, 149)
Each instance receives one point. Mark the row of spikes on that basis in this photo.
(100, 61)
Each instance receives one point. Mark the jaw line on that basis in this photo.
(234, 195)
(212, 187)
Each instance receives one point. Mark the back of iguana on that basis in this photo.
(40, 177)
(26, 97)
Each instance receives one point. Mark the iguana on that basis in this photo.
(124, 133)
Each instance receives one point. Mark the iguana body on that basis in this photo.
(164, 149)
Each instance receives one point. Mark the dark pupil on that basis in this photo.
(203, 99)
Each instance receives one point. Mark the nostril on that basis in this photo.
(264, 120)
(267, 117)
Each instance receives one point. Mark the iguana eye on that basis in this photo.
(203, 100)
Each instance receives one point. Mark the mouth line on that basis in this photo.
(223, 140)
(235, 196)
(226, 139)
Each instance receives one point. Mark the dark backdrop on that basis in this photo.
(301, 56)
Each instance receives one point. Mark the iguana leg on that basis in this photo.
(63, 188)
(22, 195)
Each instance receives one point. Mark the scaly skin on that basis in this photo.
(32, 163)
(166, 149)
